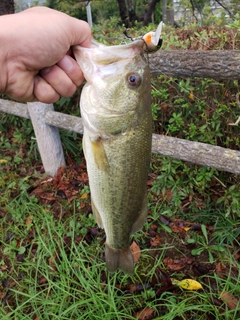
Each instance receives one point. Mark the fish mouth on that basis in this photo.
(99, 56)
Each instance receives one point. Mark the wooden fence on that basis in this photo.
(46, 121)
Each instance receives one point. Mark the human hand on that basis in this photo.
(35, 55)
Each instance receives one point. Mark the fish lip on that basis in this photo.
(102, 54)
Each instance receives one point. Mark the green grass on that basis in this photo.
(61, 275)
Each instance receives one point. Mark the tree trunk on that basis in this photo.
(128, 13)
(6, 7)
(148, 12)
(131, 11)
(216, 64)
(123, 12)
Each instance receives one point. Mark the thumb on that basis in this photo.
(80, 32)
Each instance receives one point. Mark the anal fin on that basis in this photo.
(96, 214)
(122, 260)
(142, 216)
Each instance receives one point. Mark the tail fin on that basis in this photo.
(119, 260)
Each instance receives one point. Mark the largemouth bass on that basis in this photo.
(116, 111)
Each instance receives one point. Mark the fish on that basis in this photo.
(115, 106)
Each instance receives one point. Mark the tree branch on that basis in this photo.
(225, 8)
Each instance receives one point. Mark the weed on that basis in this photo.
(204, 244)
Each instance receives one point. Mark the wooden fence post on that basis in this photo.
(48, 138)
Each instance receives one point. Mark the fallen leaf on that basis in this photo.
(135, 251)
(191, 95)
(2, 295)
(189, 284)
(167, 195)
(53, 263)
(222, 270)
(84, 196)
(3, 267)
(145, 314)
(160, 277)
(153, 227)
(178, 226)
(230, 300)
(177, 264)
(155, 241)
(3, 160)
(42, 280)
(29, 220)
(164, 106)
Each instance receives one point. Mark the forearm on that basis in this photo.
(3, 55)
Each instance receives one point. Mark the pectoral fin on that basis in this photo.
(100, 156)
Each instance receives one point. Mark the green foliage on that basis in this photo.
(204, 244)
(73, 8)
(198, 110)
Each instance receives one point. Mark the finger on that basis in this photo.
(72, 69)
(82, 38)
(44, 92)
(59, 80)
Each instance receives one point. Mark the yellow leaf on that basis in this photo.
(190, 284)
(191, 95)
(3, 160)
(84, 196)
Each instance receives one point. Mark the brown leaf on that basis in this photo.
(178, 226)
(135, 251)
(153, 227)
(42, 280)
(177, 264)
(52, 261)
(164, 106)
(167, 195)
(145, 314)
(223, 270)
(3, 267)
(155, 241)
(29, 220)
(230, 300)
(37, 192)
(132, 288)
(173, 265)
(2, 295)
(48, 196)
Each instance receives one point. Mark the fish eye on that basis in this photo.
(133, 80)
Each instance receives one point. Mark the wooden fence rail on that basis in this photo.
(221, 64)
(45, 122)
